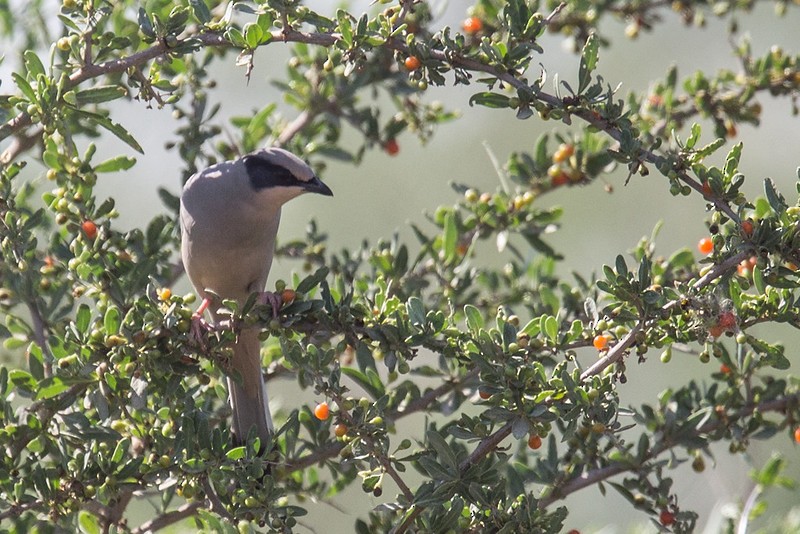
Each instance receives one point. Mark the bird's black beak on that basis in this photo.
(315, 185)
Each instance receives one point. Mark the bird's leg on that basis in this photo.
(199, 325)
(273, 299)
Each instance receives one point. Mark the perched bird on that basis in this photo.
(229, 219)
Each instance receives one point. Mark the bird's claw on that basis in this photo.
(199, 329)
(273, 299)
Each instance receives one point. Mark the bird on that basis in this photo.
(229, 217)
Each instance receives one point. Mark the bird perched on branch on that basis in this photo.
(229, 219)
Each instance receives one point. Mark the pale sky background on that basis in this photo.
(596, 225)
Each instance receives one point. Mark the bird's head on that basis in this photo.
(281, 176)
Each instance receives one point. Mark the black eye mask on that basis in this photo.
(264, 174)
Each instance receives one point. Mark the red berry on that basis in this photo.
(560, 179)
(667, 518)
(707, 191)
(413, 63)
(705, 245)
(472, 25)
(89, 229)
(727, 320)
(391, 147)
(484, 394)
(322, 412)
(747, 227)
(715, 331)
(340, 430)
(534, 442)
(724, 369)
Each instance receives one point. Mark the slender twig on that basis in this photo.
(187, 510)
(22, 143)
(18, 509)
(432, 395)
(553, 14)
(590, 478)
(293, 128)
(487, 445)
(614, 353)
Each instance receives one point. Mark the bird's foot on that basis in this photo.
(273, 300)
(200, 327)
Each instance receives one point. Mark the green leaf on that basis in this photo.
(82, 318)
(200, 10)
(25, 87)
(474, 318)
(112, 127)
(490, 100)
(758, 280)
(33, 64)
(693, 137)
(775, 199)
(236, 453)
(416, 312)
(111, 320)
(99, 94)
(252, 34)
(769, 474)
(50, 387)
(550, 327)
(88, 522)
(118, 163)
(589, 57)
(145, 25)
(345, 27)
(369, 380)
(312, 281)
(443, 451)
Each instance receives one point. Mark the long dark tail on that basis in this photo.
(247, 391)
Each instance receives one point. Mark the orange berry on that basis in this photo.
(165, 294)
(667, 518)
(484, 394)
(747, 227)
(746, 266)
(89, 229)
(288, 295)
(322, 412)
(472, 25)
(563, 153)
(797, 435)
(412, 63)
(600, 342)
(391, 147)
(340, 430)
(705, 245)
(724, 369)
(534, 442)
